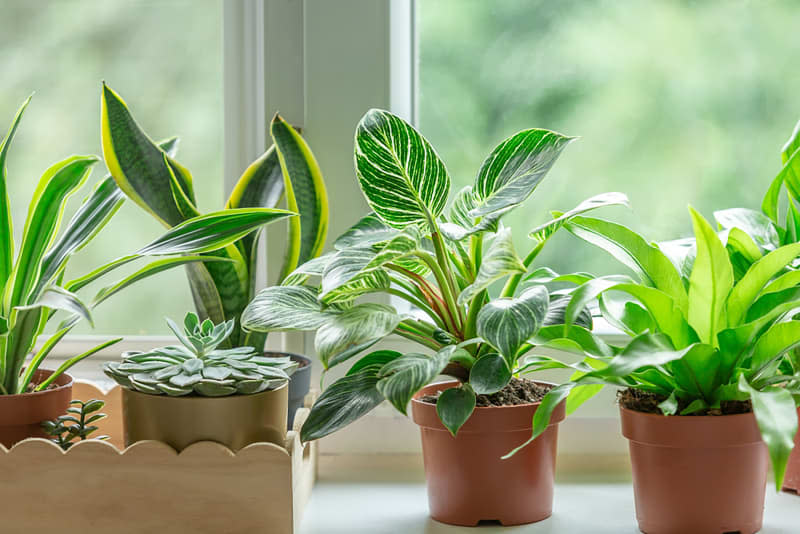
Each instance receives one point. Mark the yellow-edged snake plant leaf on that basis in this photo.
(137, 163)
(305, 195)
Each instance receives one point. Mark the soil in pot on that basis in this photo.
(468, 481)
(21, 416)
(699, 473)
(518, 391)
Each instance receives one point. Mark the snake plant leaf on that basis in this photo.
(344, 401)
(91, 217)
(632, 250)
(455, 406)
(500, 260)
(369, 230)
(515, 167)
(400, 174)
(261, 184)
(489, 374)
(400, 379)
(752, 222)
(546, 230)
(212, 231)
(58, 298)
(205, 293)
(789, 176)
(350, 331)
(776, 416)
(305, 194)
(6, 223)
(284, 308)
(137, 163)
(44, 217)
(744, 294)
(507, 323)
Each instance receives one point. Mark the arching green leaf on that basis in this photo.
(514, 168)
(543, 232)
(402, 177)
(754, 223)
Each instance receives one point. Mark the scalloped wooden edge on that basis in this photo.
(204, 488)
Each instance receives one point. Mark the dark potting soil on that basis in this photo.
(644, 401)
(517, 391)
(32, 387)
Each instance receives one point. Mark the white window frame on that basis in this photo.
(323, 63)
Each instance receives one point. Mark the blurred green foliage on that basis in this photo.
(166, 56)
(677, 102)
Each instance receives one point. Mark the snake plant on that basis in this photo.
(445, 263)
(32, 283)
(152, 178)
(198, 366)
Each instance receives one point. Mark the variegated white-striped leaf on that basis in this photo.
(403, 377)
(543, 232)
(372, 281)
(283, 308)
(460, 224)
(400, 174)
(369, 230)
(514, 169)
(506, 323)
(500, 260)
(350, 331)
(313, 267)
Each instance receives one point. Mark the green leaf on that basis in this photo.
(44, 217)
(6, 223)
(370, 281)
(305, 194)
(400, 379)
(455, 406)
(772, 344)
(137, 163)
(369, 230)
(378, 357)
(499, 261)
(710, 283)
(260, 185)
(543, 232)
(541, 419)
(344, 401)
(400, 174)
(507, 323)
(64, 367)
(776, 415)
(754, 223)
(784, 281)
(344, 266)
(670, 405)
(515, 167)
(752, 283)
(58, 298)
(792, 144)
(212, 231)
(587, 292)
(643, 351)
(284, 308)
(489, 374)
(632, 250)
(698, 371)
(789, 175)
(557, 312)
(348, 332)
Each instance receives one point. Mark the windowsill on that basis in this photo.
(391, 508)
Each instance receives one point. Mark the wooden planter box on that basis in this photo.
(100, 486)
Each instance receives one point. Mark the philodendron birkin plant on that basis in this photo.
(446, 263)
(150, 176)
(703, 341)
(33, 286)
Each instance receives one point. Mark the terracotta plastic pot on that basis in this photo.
(235, 421)
(696, 473)
(792, 480)
(21, 416)
(468, 482)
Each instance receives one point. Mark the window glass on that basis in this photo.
(165, 58)
(676, 102)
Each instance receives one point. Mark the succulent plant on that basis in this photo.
(198, 366)
(76, 424)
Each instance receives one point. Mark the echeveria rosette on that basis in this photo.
(198, 366)
(478, 315)
(715, 339)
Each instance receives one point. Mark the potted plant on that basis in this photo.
(446, 264)
(33, 285)
(196, 391)
(163, 188)
(703, 385)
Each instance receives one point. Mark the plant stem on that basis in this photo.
(418, 303)
(513, 282)
(475, 305)
(444, 264)
(406, 332)
(449, 310)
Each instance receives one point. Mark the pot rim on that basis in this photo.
(415, 398)
(694, 417)
(201, 397)
(34, 394)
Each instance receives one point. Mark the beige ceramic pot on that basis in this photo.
(21, 416)
(235, 421)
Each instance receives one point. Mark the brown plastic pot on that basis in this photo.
(235, 421)
(468, 482)
(696, 473)
(792, 480)
(21, 415)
